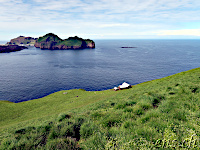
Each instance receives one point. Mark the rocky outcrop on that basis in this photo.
(21, 40)
(128, 47)
(53, 42)
(11, 48)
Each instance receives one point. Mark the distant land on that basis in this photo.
(22, 41)
(11, 48)
(53, 42)
(128, 47)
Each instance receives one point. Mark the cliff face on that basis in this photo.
(11, 48)
(90, 43)
(53, 42)
(22, 40)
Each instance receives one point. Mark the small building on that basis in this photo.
(123, 86)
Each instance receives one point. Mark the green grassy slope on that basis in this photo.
(55, 103)
(163, 113)
(71, 42)
(49, 37)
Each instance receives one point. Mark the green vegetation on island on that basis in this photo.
(159, 114)
(53, 42)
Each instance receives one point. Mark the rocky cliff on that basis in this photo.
(21, 40)
(53, 42)
(11, 48)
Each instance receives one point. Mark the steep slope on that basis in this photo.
(159, 114)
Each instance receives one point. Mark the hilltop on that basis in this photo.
(159, 114)
(22, 40)
(52, 41)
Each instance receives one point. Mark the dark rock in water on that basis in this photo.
(53, 42)
(21, 40)
(11, 48)
(128, 47)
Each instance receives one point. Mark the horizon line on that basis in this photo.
(134, 39)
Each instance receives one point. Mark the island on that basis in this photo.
(53, 42)
(49, 41)
(22, 41)
(128, 47)
(11, 48)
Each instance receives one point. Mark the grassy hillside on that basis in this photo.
(49, 37)
(163, 113)
(72, 42)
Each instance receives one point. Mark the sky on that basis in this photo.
(101, 19)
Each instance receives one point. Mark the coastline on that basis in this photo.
(159, 103)
(11, 48)
(65, 91)
(103, 68)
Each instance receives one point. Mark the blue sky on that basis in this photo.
(101, 19)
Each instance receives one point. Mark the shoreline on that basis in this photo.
(65, 91)
(11, 48)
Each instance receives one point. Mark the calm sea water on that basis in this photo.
(34, 73)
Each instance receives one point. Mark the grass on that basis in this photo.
(49, 37)
(159, 114)
(72, 42)
(53, 104)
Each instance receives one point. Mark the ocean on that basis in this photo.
(34, 73)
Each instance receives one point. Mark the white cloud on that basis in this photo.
(97, 17)
(113, 9)
(114, 25)
(186, 32)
